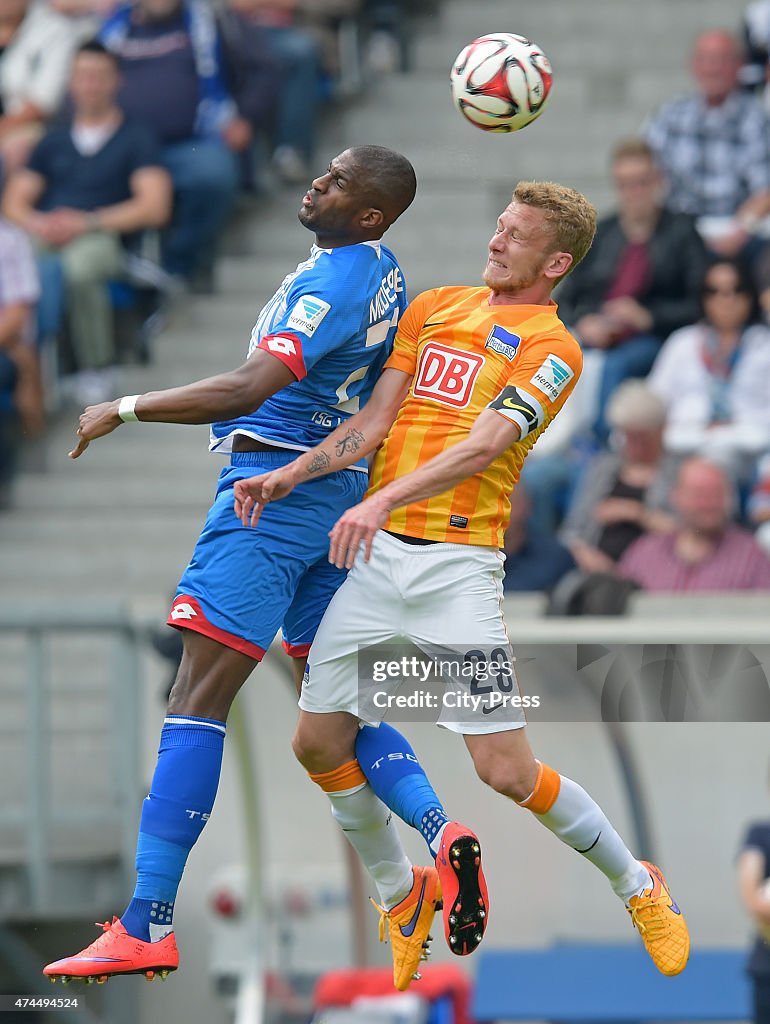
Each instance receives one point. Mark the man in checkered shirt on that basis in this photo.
(714, 147)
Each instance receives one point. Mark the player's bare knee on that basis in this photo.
(200, 696)
(198, 703)
(504, 777)
(208, 679)
(309, 750)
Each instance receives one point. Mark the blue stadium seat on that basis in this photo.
(587, 983)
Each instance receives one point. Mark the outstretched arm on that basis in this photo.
(354, 438)
(225, 396)
(490, 435)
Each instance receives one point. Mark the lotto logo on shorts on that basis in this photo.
(447, 375)
(183, 609)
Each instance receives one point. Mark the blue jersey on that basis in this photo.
(332, 321)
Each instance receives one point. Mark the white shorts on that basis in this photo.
(445, 601)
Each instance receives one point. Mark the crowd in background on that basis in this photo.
(657, 472)
(128, 131)
(656, 475)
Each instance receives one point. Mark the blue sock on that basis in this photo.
(173, 815)
(396, 776)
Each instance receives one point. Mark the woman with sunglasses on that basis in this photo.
(714, 375)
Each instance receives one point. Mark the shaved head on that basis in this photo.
(387, 179)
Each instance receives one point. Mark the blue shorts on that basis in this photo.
(242, 584)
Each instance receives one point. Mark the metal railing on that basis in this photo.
(34, 814)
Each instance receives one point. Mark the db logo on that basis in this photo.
(446, 375)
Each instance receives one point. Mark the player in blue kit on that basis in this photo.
(316, 351)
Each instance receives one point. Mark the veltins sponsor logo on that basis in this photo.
(503, 342)
(446, 375)
(308, 314)
(553, 376)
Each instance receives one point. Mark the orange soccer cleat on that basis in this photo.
(409, 926)
(661, 924)
(464, 888)
(117, 952)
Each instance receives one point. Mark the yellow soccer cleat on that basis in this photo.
(661, 924)
(409, 926)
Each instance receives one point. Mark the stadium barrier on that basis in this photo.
(595, 984)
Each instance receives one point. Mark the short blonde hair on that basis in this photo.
(569, 215)
(633, 148)
(634, 406)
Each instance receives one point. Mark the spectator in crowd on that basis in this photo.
(713, 375)
(37, 42)
(174, 82)
(705, 552)
(322, 18)
(756, 38)
(714, 147)
(641, 279)
(754, 888)
(21, 395)
(388, 35)
(88, 183)
(534, 558)
(555, 464)
(253, 80)
(624, 493)
(89, 9)
(758, 508)
(298, 34)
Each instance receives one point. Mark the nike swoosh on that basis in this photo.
(102, 959)
(593, 844)
(434, 323)
(675, 908)
(657, 883)
(411, 924)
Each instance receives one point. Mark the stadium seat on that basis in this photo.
(593, 983)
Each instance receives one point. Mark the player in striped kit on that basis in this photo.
(476, 376)
(316, 351)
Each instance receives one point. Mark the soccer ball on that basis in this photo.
(501, 82)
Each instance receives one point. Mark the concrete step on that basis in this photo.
(115, 487)
(591, 33)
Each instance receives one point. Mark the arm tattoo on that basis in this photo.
(351, 442)
(320, 461)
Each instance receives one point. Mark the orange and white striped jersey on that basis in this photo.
(465, 356)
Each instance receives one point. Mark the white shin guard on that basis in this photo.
(579, 821)
(369, 828)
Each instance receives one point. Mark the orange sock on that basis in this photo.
(543, 796)
(347, 776)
